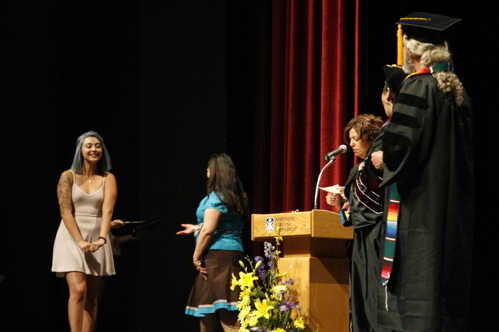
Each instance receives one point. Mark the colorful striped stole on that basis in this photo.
(391, 234)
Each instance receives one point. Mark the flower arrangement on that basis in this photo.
(265, 303)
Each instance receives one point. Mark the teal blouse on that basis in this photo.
(230, 227)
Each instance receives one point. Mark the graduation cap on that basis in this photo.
(423, 27)
(394, 76)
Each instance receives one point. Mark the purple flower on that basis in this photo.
(261, 269)
(269, 250)
(271, 264)
(287, 305)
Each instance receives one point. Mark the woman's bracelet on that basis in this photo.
(101, 237)
(197, 263)
(197, 229)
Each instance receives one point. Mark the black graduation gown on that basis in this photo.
(428, 153)
(366, 217)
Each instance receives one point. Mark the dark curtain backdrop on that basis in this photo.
(168, 83)
(308, 78)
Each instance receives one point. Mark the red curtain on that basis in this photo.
(307, 92)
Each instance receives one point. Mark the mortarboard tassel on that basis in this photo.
(400, 46)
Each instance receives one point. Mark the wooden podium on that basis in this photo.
(314, 255)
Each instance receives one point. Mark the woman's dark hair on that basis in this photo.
(226, 184)
(366, 125)
(104, 164)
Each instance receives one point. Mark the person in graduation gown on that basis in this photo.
(365, 208)
(427, 156)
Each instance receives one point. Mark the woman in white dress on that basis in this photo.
(82, 249)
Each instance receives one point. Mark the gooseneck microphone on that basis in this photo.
(330, 157)
(340, 150)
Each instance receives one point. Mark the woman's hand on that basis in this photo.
(202, 270)
(334, 200)
(189, 229)
(94, 246)
(117, 224)
(85, 246)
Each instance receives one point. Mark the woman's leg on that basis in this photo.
(95, 287)
(101, 294)
(77, 293)
(208, 323)
(228, 319)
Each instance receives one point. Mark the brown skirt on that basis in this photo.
(207, 296)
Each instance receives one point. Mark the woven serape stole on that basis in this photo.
(391, 234)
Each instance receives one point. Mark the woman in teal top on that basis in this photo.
(220, 221)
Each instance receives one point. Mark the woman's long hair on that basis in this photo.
(226, 184)
(104, 164)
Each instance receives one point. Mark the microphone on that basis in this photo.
(330, 157)
(332, 154)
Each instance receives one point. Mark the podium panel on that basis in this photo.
(315, 223)
(314, 255)
(322, 287)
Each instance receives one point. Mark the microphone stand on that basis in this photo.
(319, 180)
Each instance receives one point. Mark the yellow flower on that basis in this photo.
(258, 311)
(252, 320)
(262, 308)
(244, 323)
(233, 282)
(299, 323)
(246, 280)
(245, 293)
(244, 298)
(278, 289)
(244, 311)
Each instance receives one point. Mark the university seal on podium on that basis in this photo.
(269, 225)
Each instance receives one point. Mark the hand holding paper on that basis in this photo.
(336, 189)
